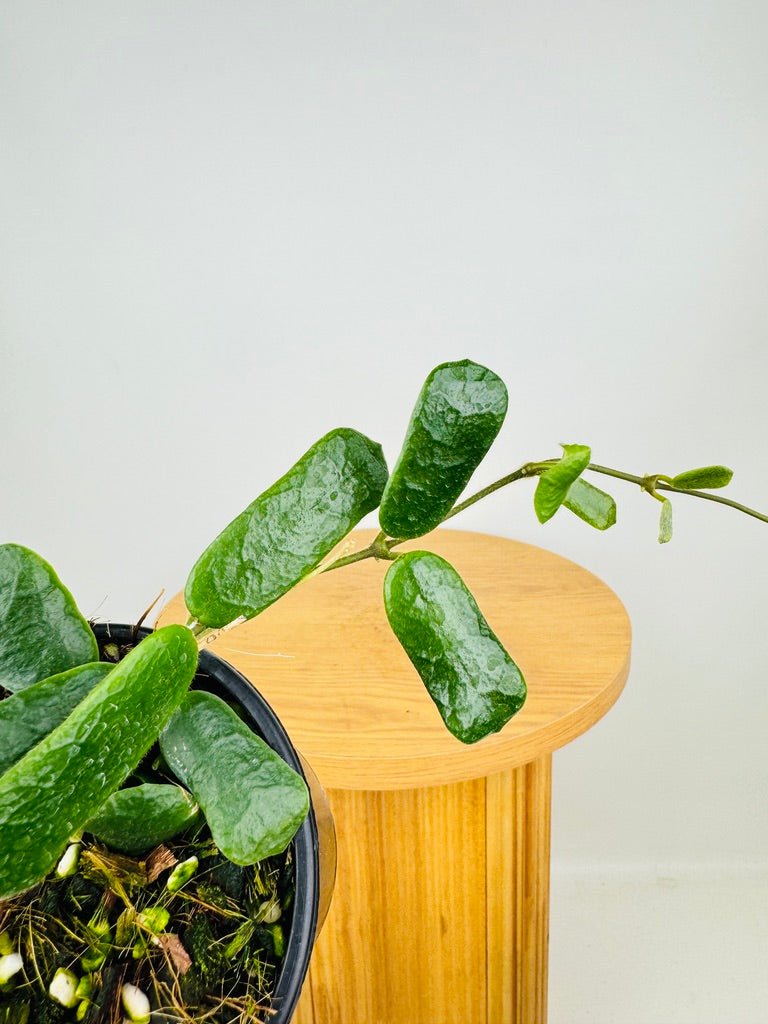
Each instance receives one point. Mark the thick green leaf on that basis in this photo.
(591, 504)
(555, 482)
(60, 783)
(41, 630)
(138, 818)
(288, 529)
(457, 415)
(475, 684)
(252, 800)
(31, 714)
(665, 522)
(708, 477)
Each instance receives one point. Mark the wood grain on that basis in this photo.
(518, 806)
(440, 914)
(326, 660)
(405, 938)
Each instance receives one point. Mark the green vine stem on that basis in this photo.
(378, 548)
(528, 470)
(659, 485)
(381, 546)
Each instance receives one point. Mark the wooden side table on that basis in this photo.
(440, 912)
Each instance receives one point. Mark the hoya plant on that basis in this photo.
(74, 729)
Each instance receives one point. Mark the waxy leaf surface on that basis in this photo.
(591, 504)
(288, 529)
(41, 630)
(28, 716)
(252, 800)
(457, 415)
(57, 787)
(555, 482)
(136, 819)
(474, 682)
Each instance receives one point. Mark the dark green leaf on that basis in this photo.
(708, 478)
(136, 819)
(288, 529)
(59, 784)
(41, 631)
(665, 522)
(457, 415)
(32, 713)
(591, 504)
(555, 482)
(475, 684)
(252, 800)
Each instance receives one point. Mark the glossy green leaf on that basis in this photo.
(41, 631)
(252, 800)
(471, 678)
(288, 529)
(591, 504)
(555, 482)
(57, 787)
(457, 415)
(665, 522)
(28, 716)
(707, 478)
(136, 819)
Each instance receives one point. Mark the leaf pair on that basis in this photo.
(252, 800)
(704, 478)
(562, 484)
(295, 523)
(289, 528)
(471, 678)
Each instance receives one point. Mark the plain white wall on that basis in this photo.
(227, 227)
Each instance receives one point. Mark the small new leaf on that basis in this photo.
(555, 482)
(708, 477)
(138, 818)
(591, 504)
(665, 522)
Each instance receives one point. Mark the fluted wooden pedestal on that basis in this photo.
(440, 912)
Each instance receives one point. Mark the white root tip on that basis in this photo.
(135, 1004)
(10, 964)
(63, 988)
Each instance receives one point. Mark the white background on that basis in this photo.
(228, 227)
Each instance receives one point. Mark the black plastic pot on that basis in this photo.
(218, 677)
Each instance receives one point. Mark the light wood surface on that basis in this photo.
(326, 660)
(441, 907)
(517, 849)
(401, 941)
(440, 915)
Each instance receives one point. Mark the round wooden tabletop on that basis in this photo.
(328, 663)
